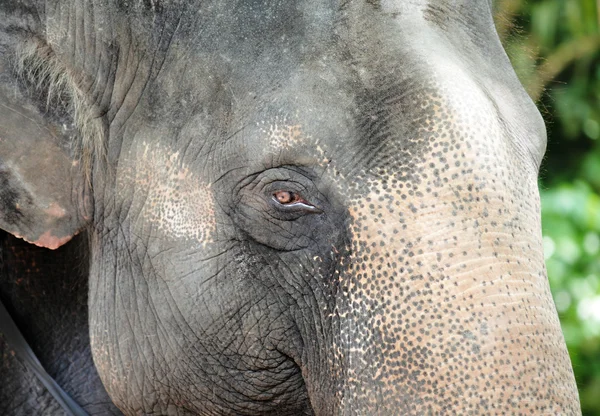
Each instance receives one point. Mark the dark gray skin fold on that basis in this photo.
(309, 207)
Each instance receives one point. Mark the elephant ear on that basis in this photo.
(43, 194)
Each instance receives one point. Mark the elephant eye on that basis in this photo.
(287, 197)
(293, 199)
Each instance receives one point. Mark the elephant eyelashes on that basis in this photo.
(292, 199)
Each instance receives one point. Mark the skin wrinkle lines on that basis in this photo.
(416, 285)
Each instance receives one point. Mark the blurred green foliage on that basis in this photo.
(554, 46)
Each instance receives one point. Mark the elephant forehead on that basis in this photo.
(167, 195)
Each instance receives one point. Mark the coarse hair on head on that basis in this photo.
(61, 93)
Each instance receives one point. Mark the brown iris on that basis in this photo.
(287, 197)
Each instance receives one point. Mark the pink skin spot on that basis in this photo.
(52, 242)
(47, 240)
(55, 210)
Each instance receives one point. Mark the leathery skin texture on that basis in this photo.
(313, 208)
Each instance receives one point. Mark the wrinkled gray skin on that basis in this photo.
(407, 275)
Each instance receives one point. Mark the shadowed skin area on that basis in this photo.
(46, 294)
(411, 279)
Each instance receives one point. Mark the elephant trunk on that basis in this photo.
(443, 303)
(439, 323)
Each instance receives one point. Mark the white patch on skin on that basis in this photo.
(282, 134)
(176, 202)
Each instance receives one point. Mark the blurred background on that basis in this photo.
(554, 46)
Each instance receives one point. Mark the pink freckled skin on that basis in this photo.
(55, 210)
(176, 203)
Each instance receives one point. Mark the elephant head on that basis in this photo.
(310, 207)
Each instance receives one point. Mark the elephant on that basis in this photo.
(265, 207)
